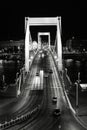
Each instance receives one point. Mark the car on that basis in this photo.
(54, 99)
(45, 75)
(56, 112)
(83, 87)
(37, 73)
(50, 71)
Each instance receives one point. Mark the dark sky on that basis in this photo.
(74, 21)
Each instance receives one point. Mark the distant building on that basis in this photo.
(69, 45)
(11, 43)
(76, 44)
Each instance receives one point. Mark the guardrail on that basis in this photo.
(22, 75)
(20, 79)
(19, 119)
(63, 86)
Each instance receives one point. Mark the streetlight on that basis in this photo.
(77, 86)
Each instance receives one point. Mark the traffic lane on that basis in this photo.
(45, 119)
(33, 116)
(15, 106)
(18, 103)
(68, 120)
(36, 88)
(31, 103)
(33, 120)
(36, 101)
(41, 116)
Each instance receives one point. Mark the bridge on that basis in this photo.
(40, 80)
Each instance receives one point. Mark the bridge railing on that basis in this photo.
(20, 80)
(19, 119)
(62, 74)
(22, 75)
(61, 79)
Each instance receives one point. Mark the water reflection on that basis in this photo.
(68, 62)
(8, 70)
(75, 66)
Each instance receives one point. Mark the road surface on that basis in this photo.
(44, 119)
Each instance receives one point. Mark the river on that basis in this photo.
(74, 66)
(8, 70)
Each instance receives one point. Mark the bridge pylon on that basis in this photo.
(27, 33)
(43, 21)
(59, 44)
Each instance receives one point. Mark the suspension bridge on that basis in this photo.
(40, 80)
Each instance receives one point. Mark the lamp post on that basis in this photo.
(77, 94)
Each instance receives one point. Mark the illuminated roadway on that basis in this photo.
(36, 94)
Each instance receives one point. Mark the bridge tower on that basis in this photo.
(43, 21)
(59, 44)
(43, 34)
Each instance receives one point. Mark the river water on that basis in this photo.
(74, 67)
(8, 70)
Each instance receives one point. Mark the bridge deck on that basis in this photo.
(52, 86)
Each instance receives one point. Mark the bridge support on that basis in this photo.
(27, 33)
(43, 34)
(59, 44)
(43, 22)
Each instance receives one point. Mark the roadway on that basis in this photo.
(26, 101)
(44, 119)
(68, 119)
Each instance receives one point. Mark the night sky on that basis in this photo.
(74, 21)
